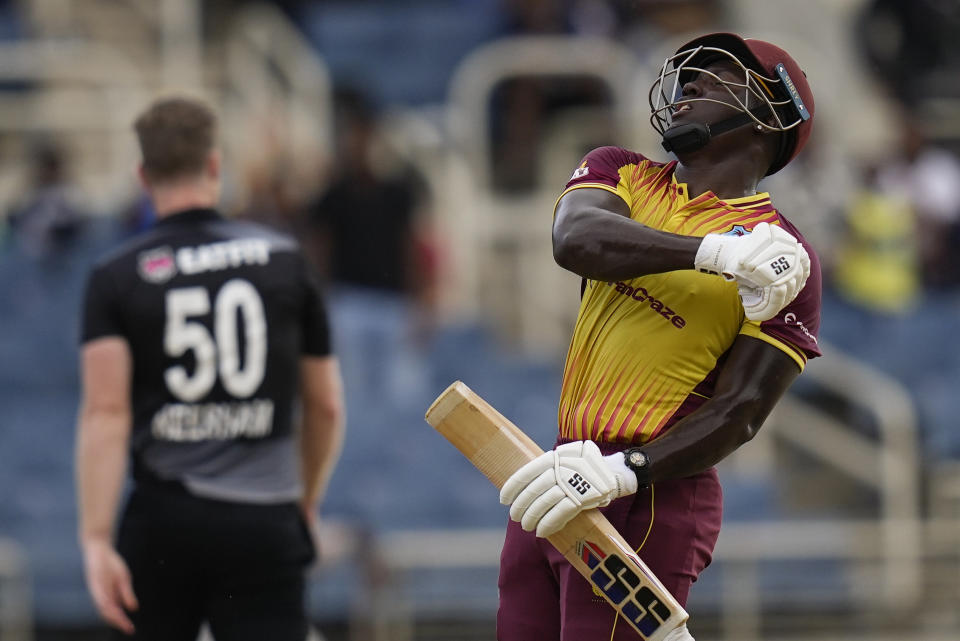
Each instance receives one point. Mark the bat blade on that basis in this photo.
(498, 448)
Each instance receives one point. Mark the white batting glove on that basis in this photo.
(679, 634)
(547, 492)
(769, 265)
(763, 303)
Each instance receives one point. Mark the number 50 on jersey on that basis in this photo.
(498, 448)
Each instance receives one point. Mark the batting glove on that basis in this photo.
(769, 265)
(679, 634)
(546, 493)
(763, 303)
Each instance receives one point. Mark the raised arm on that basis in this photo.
(594, 236)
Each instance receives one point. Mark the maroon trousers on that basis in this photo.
(543, 597)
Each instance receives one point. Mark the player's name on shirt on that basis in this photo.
(161, 263)
(213, 421)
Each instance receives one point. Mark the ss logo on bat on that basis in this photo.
(621, 584)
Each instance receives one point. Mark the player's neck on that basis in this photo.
(724, 179)
(730, 166)
(172, 198)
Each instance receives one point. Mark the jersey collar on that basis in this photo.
(190, 215)
(760, 199)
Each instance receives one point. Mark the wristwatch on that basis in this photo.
(638, 461)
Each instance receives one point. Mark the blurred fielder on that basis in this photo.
(198, 337)
(700, 305)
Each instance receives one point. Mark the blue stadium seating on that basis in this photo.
(916, 348)
(356, 37)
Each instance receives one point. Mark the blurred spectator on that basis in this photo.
(367, 235)
(877, 263)
(902, 225)
(50, 218)
(270, 199)
(365, 224)
(927, 176)
(275, 183)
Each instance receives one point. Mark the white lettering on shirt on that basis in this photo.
(213, 421)
(223, 255)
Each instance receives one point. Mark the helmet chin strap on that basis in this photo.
(695, 135)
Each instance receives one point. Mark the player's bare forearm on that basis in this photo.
(322, 439)
(103, 434)
(323, 426)
(754, 378)
(594, 237)
(101, 465)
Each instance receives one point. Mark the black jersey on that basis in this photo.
(217, 314)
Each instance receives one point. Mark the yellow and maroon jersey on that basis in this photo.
(646, 352)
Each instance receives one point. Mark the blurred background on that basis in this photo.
(416, 147)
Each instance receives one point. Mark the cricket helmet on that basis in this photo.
(774, 88)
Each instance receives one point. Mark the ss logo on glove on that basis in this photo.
(579, 483)
(769, 265)
(545, 493)
(779, 266)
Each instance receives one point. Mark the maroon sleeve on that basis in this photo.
(798, 324)
(602, 166)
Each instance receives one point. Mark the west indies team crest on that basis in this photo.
(580, 171)
(156, 265)
(738, 230)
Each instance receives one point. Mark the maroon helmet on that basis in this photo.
(775, 86)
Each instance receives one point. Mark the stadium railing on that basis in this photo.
(884, 552)
(77, 91)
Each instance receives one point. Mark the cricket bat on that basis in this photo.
(589, 542)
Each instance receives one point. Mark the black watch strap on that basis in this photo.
(638, 461)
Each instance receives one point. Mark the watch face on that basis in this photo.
(638, 459)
